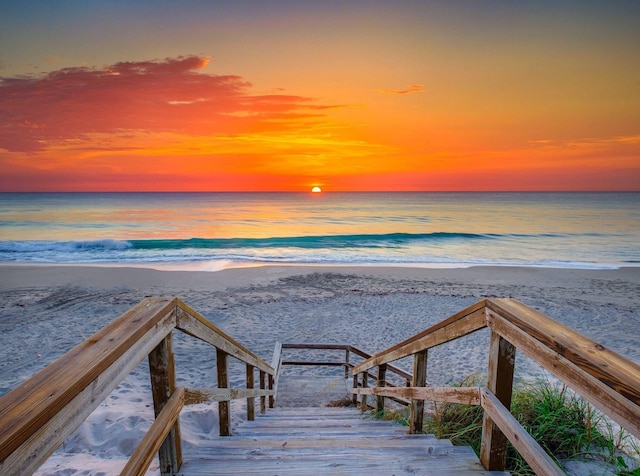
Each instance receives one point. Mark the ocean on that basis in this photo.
(212, 231)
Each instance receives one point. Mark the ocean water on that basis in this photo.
(211, 231)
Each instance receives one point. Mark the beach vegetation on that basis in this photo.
(566, 426)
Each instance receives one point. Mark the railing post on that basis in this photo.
(354, 398)
(346, 365)
(271, 397)
(502, 354)
(416, 419)
(251, 412)
(224, 414)
(263, 385)
(163, 384)
(365, 384)
(382, 377)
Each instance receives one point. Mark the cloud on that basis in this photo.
(170, 95)
(411, 89)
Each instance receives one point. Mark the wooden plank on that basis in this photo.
(224, 413)
(150, 444)
(364, 384)
(606, 399)
(466, 395)
(382, 371)
(612, 369)
(347, 363)
(251, 409)
(316, 346)
(195, 395)
(263, 386)
(196, 325)
(493, 445)
(313, 363)
(272, 400)
(43, 439)
(274, 378)
(416, 416)
(163, 385)
(530, 450)
(464, 322)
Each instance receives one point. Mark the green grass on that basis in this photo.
(566, 427)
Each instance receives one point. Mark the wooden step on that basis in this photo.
(318, 441)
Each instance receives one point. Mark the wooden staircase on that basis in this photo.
(318, 441)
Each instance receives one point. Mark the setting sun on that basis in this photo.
(316, 190)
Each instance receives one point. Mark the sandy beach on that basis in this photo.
(46, 310)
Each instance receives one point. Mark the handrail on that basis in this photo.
(38, 415)
(604, 378)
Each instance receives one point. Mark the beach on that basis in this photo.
(46, 310)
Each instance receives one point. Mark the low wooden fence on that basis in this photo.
(37, 416)
(605, 379)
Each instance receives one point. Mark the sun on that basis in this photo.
(316, 190)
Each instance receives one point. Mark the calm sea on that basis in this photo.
(210, 231)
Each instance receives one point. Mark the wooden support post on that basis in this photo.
(163, 384)
(251, 411)
(224, 413)
(493, 448)
(346, 364)
(382, 381)
(416, 419)
(365, 384)
(354, 398)
(263, 385)
(271, 397)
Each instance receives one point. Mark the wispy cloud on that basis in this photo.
(411, 89)
(170, 95)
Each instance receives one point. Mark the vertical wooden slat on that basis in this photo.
(416, 419)
(271, 397)
(493, 449)
(346, 364)
(223, 382)
(263, 385)
(251, 411)
(365, 384)
(163, 384)
(354, 398)
(382, 380)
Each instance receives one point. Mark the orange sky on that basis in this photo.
(345, 95)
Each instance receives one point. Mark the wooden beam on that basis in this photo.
(465, 395)
(530, 450)
(416, 416)
(207, 395)
(224, 413)
(382, 371)
(493, 446)
(612, 369)
(163, 385)
(193, 323)
(38, 415)
(464, 322)
(251, 409)
(160, 429)
(620, 409)
(263, 386)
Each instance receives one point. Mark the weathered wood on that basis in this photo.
(464, 322)
(163, 384)
(152, 440)
(224, 413)
(274, 377)
(364, 384)
(493, 446)
(382, 372)
(194, 324)
(316, 346)
(38, 415)
(346, 363)
(313, 363)
(263, 386)
(416, 416)
(530, 450)
(251, 409)
(465, 395)
(195, 395)
(272, 400)
(613, 370)
(606, 399)
(354, 399)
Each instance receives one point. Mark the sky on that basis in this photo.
(351, 95)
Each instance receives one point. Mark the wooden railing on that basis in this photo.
(347, 351)
(607, 380)
(37, 416)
